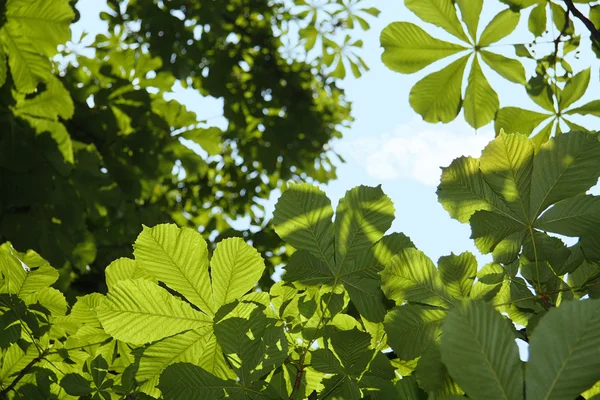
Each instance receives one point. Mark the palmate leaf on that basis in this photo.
(565, 352)
(437, 97)
(591, 108)
(179, 258)
(52, 103)
(139, 311)
(363, 215)
(563, 168)
(408, 48)
(480, 352)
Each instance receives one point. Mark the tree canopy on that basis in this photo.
(92, 150)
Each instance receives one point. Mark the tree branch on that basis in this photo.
(588, 24)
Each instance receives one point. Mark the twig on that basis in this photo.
(588, 24)
(22, 373)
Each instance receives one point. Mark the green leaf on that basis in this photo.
(463, 191)
(481, 101)
(352, 348)
(185, 381)
(437, 97)
(306, 268)
(3, 67)
(45, 24)
(184, 347)
(138, 312)
(438, 12)
(412, 328)
(362, 281)
(470, 11)
(302, 218)
(412, 276)
(543, 135)
(323, 360)
(235, 268)
(57, 131)
(515, 119)
(408, 388)
(122, 269)
(537, 20)
(408, 48)
(21, 282)
(499, 27)
(458, 273)
(76, 385)
(480, 352)
(559, 17)
(574, 89)
(488, 229)
(591, 108)
(572, 217)
(340, 387)
(563, 353)
(179, 258)
(433, 375)
(362, 217)
(52, 103)
(565, 166)
(594, 15)
(208, 138)
(507, 164)
(507, 68)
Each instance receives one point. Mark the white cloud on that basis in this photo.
(415, 151)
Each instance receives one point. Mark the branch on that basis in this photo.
(22, 373)
(588, 24)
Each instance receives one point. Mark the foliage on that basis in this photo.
(553, 85)
(94, 146)
(358, 314)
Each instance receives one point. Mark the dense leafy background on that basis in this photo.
(91, 152)
(359, 313)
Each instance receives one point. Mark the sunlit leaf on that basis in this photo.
(408, 48)
(481, 101)
(437, 97)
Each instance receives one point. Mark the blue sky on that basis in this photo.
(388, 143)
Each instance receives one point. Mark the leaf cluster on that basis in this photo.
(357, 314)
